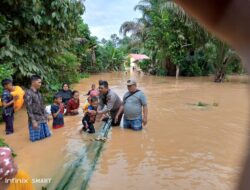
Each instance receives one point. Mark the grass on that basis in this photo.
(202, 104)
(2, 143)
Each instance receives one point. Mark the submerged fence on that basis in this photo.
(77, 175)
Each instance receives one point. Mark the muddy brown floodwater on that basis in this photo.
(184, 146)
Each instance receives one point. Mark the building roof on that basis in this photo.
(138, 56)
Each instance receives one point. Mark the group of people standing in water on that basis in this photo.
(102, 103)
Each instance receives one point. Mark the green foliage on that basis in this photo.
(196, 64)
(49, 38)
(110, 55)
(34, 33)
(144, 65)
(67, 67)
(3, 144)
(84, 75)
(173, 39)
(161, 72)
(6, 71)
(202, 104)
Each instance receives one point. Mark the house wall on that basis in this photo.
(133, 64)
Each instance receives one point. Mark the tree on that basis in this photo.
(34, 32)
(222, 57)
(111, 54)
(173, 40)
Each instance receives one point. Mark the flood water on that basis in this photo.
(184, 146)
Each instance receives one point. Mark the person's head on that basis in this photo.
(100, 82)
(94, 101)
(65, 87)
(8, 168)
(7, 84)
(89, 99)
(36, 82)
(104, 87)
(75, 95)
(131, 84)
(93, 87)
(57, 99)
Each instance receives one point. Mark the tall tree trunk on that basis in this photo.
(177, 71)
(221, 72)
(93, 57)
(154, 56)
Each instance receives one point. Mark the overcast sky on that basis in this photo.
(105, 17)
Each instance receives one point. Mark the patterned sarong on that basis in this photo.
(38, 134)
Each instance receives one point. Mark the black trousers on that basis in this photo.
(113, 114)
(87, 126)
(9, 122)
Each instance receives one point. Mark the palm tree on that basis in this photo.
(135, 28)
(224, 56)
(141, 28)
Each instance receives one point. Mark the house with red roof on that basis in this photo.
(134, 59)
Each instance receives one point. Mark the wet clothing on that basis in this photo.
(35, 106)
(9, 123)
(133, 104)
(58, 121)
(36, 113)
(110, 102)
(7, 97)
(89, 120)
(93, 93)
(66, 96)
(72, 105)
(85, 106)
(89, 92)
(8, 112)
(133, 124)
(39, 134)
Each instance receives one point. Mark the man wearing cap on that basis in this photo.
(110, 102)
(134, 107)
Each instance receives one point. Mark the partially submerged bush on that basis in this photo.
(202, 104)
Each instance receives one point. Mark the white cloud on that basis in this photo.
(105, 17)
(102, 31)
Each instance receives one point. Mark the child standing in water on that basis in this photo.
(90, 116)
(86, 105)
(57, 111)
(8, 105)
(93, 88)
(94, 93)
(73, 104)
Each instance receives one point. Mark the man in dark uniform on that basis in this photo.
(110, 102)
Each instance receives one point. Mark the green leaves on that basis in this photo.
(37, 19)
(6, 71)
(34, 33)
(170, 36)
